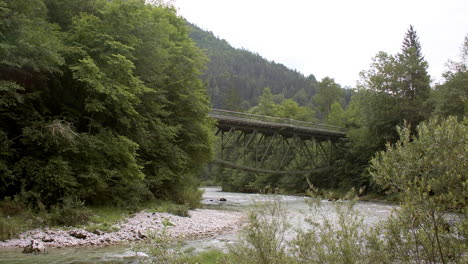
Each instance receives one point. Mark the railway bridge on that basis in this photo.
(266, 144)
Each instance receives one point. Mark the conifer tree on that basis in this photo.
(415, 79)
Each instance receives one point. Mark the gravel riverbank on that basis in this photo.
(201, 223)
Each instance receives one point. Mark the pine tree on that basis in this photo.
(414, 79)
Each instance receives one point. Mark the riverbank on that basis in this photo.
(140, 226)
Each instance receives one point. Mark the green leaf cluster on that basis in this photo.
(99, 100)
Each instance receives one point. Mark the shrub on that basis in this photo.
(191, 196)
(429, 173)
(332, 240)
(70, 213)
(12, 207)
(262, 240)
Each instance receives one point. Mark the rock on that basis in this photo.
(35, 247)
(47, 239)
(142, 254)
(141, 235)
(78, 234)
(222, 199)
(98, 232)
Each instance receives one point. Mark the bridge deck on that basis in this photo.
(271, 125)
(233, 165)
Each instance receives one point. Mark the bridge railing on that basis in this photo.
(270, 119)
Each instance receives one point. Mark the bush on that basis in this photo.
(178, 209)
(191, 196)
(12, 207)
(10, 227)
(429, 171)
(262, 240)
(70, 213)
(332, 240)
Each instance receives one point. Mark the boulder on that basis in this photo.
(78, 234)
(47, 239)
(35, 247)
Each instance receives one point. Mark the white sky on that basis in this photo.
(335, 38)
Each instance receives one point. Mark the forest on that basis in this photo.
(395, 91)
(100, 102)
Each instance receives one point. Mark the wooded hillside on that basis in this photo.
(236, 77)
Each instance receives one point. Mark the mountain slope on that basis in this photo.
(236, 77)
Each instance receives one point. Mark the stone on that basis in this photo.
(141, 235)
(47, 239)
(80, 234)
(98, 232)
(35, 247)
(222, 199)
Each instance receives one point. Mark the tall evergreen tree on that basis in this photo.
(414, 76)
(395, 88)
(414, 79)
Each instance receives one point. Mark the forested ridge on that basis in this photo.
(236, 77)
(100, 102)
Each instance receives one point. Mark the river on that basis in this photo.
(295, 207)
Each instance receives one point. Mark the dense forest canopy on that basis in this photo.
(99, 100)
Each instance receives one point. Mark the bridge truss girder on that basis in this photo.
(262, 152)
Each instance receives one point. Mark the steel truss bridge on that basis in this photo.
(274, 145)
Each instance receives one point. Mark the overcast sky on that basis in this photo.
(335, 38)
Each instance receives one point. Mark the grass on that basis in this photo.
(11, 226)
(104, 218)
(208, 257)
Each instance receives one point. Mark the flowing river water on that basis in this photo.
(295, 207)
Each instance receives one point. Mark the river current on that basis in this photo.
(296, 209)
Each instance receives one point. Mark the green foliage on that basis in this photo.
(407, 236)
(265, 106)
(429, 172)
(10, 227)
(430, 167)
(191, 197)
(169, 207)
(72, 212)
(336, 117)
(207, 257)
(287, 108)
(290, 109)
(340, 240)
(451, 97)
(394, 89)
(262, 239)
(11, 221)
(99, 101)
(328, 93)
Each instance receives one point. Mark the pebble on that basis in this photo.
(139, 226)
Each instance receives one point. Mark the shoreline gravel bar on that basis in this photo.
(140, 226)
